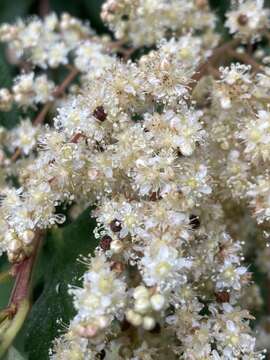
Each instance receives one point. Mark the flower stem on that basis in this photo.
(12, 318)
(247, 59)
(213, 60)
(13, 327)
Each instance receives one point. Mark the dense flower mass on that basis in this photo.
(172, 147)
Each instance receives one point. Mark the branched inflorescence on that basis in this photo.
(172, 148)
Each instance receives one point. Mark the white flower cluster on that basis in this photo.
(49, 43)
(44, 43)
(168, 162)
(27, 91)
(248, 18)
(242, 135)
(146, 22)
(23, 137)
(101, 298)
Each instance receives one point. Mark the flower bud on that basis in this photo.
(140, 291)
(142, 305)
(117, 246)
(27, 236)
(14, 245)
(157, 302)
(149, 323)
(134, 318)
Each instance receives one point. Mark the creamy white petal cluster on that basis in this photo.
(170, 168)
(247, 18)
(146, 22)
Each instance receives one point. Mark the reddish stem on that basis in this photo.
(44, 7)
(23, 273)
(16, 155)
(247, 59)
(218, 54)
(62, 87)
(42, 114)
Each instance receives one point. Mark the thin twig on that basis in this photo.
(250, 48)
(56, 94)
(115, 45)
(44, 7)
(23, 273)
(127, 53)
(16, 155)
(13, 327)
(62, 87)
(247, 59)
(213, 60)
(42, 114)
(12, 318)
(214, 72)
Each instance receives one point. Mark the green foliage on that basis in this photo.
(11, 118)
(5, 285)
(220, 7)
(14, 354)
(93, 8)
(56, 268)
(11, 10)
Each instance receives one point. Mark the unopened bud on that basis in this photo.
(149, 323)
(117, 246)
(134, 318)
(142, 305)
(140, 291)
(157, 302)
(27, 236)
(14, 246)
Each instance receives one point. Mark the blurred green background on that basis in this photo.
(84, 9)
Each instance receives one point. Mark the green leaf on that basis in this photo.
(72, 7)
(5, 286)
(220, 6)
(83, 9)
(14, 354)
(93, 9)
(5, 70)
(11, 118)
(11, 10)
(57, 268)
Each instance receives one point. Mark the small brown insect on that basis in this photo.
(242, 19)
(105, 242)
(115, 225)
(155, 196)
(222, 297)
(100, 114)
